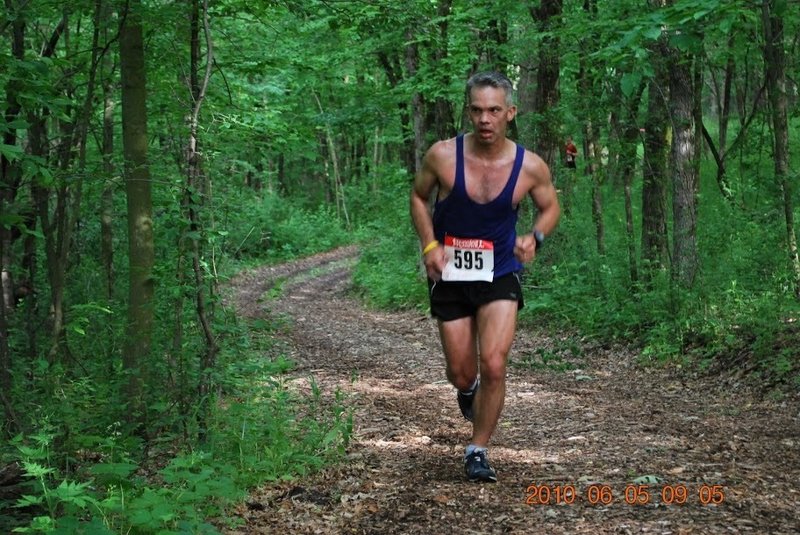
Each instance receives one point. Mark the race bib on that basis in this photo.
(468, 259)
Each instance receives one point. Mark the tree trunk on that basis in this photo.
(10, 176)
(107, 198)
(283, 184)
(720, 154)
(775, 61)
(443, 110)
(138, 342)
(597, 214)
(724, 109)
(655, 191)
(195, 183)
(630, 232)
(593, 169)
(546, 98)
(587, 79)
(655, 246)
(10, 422)
(587, 83)
(58, 234)
(55, 230)
(624, 122)
(9, 415)
(394, 73)
(683, 160)
(417, 103)
(338, 187)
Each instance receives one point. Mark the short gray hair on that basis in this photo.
(494, 79)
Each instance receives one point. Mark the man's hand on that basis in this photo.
(525, 248)
(435, 261)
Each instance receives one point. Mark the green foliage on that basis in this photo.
(262, 429)
(272, 228)
(387, 274)
(194, 488)
(278, 432)
(59, 502)
(741, 310)
(383, 280)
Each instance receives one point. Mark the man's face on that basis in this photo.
(490, 114)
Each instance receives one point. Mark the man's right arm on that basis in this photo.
(424, 183)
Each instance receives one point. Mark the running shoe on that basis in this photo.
(465, 402)
(477, 467)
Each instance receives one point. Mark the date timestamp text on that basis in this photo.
(632, 494)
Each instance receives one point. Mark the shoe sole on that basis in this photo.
(483, 479)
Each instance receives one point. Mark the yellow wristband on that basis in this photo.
(430, 247)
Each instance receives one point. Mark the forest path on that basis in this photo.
(605, 424)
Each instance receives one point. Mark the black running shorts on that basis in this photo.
(454, 300)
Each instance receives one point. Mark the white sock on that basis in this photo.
(472, 448)
(471, 389)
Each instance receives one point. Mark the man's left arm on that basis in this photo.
(545, 198)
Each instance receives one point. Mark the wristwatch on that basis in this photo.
(538, 235)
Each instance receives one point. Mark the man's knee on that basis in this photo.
(493, 369)
(462, 376)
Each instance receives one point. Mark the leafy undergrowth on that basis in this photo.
(258, 431)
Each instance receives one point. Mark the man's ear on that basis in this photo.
(512, 112)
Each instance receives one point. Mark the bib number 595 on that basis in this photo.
(468, 259)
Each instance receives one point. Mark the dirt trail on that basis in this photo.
(593, 431)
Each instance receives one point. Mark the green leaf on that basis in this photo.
(685, 41)
(647, 480)
(40, 524)
(140, 517)
(75, 493)
(31, 453)
(630, 82)
(11, 152)
(95, 527)
(653, 32)
(18, 124)
(330, 436)
(36, 233)
(119, 470)
(36, 470)
(28, 500)
(10, 220)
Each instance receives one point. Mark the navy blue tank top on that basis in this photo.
(459, 216)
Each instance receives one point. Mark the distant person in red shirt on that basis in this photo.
(571, 153)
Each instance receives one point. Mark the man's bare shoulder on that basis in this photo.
(442, 150)
(440, 158)
(535, 169)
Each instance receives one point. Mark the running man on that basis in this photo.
(473, 256)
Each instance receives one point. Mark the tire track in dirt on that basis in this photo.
(606, 423)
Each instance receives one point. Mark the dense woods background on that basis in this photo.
(150, 149)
